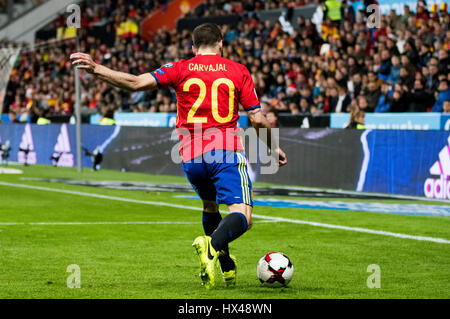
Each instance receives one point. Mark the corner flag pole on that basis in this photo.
(78, 111)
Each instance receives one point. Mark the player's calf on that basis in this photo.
(231, 227)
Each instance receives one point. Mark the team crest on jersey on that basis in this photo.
(168, 65)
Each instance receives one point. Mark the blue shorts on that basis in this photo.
(220, 176)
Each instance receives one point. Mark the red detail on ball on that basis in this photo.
(277, 275)
(267, 257)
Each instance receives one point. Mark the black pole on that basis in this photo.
(10, 9)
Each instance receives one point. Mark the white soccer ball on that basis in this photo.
(275, 270)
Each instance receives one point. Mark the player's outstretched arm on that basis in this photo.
(259, 121)
(121, 80)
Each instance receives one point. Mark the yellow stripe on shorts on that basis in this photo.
(244, 178)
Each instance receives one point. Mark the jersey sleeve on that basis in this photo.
(166, 75)
(248, 98)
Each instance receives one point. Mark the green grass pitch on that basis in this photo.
(119, 258)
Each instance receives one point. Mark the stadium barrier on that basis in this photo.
(191, 23)
(151, 119)
(397, 121)
(169, 120)
(397, 5)
(273, 15)
(303, 120)
(85, 118)
(405, 162)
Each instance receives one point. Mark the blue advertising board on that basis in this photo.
(396, 121)
(36, 144)
(406, 162)
(139, 119)
(396, 5)
(152, 119)
(6, 119)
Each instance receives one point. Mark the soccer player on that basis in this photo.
(209, 89)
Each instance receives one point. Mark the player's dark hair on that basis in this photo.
(206, 35)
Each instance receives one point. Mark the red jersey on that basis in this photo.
(209, 90)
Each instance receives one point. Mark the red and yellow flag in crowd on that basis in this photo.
(128, 29)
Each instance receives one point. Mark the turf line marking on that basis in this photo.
(358, 229)
(118, 223)
(277, 219)
(113, 223)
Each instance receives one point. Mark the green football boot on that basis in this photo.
(207, 257)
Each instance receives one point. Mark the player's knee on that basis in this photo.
(248, 216)
(249, 222)
(245, 210)
(248, 219)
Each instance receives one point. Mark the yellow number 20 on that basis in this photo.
(214, 100)
(201, 96)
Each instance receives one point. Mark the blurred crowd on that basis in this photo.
(339, 65)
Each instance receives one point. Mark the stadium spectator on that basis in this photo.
(333, 11)
(419, 99)
(372, 94)
(432, 75)
(304, 106)
(272, 117)
(357, 120)
(399, 100)
(361, 104)
(386, 65)
(444, 62)
(315, 64)
(394, 74)
(384, 102)
(348, 13)
(442, 95)
(343, 101)
(447, 106)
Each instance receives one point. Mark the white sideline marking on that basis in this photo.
(358, 229)
(276, 219)
(120, 223)
(107, 223)
(10, 171)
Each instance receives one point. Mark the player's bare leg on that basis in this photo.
(245, 210)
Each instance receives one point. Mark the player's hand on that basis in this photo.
(282, 159)
(83, 61)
